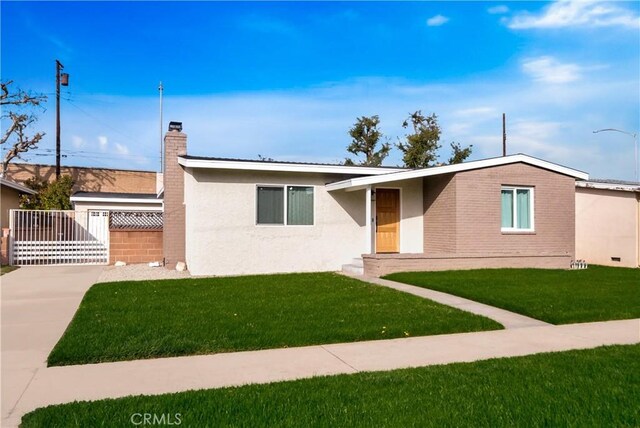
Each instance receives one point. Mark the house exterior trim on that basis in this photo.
(283, 167)
(361, 182)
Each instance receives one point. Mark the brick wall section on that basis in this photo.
(378, 265)
(439, 195)
(476, 214)
(135, 246)
(88, 179)
(175, 144)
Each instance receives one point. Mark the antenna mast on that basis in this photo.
(504, 135)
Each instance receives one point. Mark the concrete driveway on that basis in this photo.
(37, 305)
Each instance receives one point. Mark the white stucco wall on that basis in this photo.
(607, 224)
(222, 237)
(411, 214)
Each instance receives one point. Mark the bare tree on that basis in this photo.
(17, 111)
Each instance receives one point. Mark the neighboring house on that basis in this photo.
(608, 222)
(233, 217)
(11, 192)
(90, 179)
(135, 223)
(85, 201)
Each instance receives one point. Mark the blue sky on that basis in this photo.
(287, 80)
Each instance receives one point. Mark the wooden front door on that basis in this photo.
(387, 220)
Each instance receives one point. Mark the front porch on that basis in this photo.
(378, 265)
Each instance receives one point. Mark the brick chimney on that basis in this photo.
(173, 232)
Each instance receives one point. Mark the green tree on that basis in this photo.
(420, 150)
(459, 154)
(365, 137)
(55, 195)
(421, 147)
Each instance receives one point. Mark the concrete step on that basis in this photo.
(353, 269)
(357, 262)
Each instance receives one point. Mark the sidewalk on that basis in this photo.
(111, 380)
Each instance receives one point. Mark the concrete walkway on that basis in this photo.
(508, 319)
(110, 380)
(37, 305)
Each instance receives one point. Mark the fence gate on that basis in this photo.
(57, 237)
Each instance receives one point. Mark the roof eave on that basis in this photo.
(115, 200)
(608, 186)
(17, 186)
(363, 182)
(284, 167)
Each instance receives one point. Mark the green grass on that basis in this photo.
(588, 388)
(146, 319)
(557, 296)
(6, 269)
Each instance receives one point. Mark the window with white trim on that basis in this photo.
(285, 205)
(517, 209)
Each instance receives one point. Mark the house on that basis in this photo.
(234, 217)
(608, 222)
(10, 192)
(10, 195)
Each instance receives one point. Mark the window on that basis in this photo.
(517, 209)
(275, 207)
(270, 205)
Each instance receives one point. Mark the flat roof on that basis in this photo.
(143, 198)
(190, 161)
(608, 184)
(363, 182)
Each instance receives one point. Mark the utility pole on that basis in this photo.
(504, 134)
(61, 79)
(161, 89)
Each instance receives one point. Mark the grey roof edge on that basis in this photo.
(17, 186)
(214, 158)
(116, 195)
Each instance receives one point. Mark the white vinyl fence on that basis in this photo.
(57, 237)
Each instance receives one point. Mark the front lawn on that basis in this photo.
(147, 319)
(590, 388)
(557, 296)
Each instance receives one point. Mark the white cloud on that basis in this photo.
(77, 142)
(436, 21)
(551, 121)
(103, 143)
(575, 13)
(497, 10)
(547, 69)
(121, 149)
